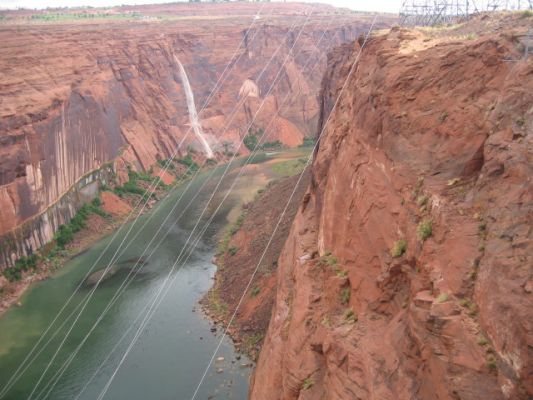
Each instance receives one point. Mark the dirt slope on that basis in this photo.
(408, 270)
(239, 255)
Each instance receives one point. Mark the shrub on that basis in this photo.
(12, 274)
(422, 200)
(308, 142)
(166, 164)
(482, 340)
(233, 250)
(470, 305)
(491, 363)
(255, 291)
(131, 187)
(65, 233)
(272, 145)
(254, 339)
(328, 260)
(63, 236)
(237, 225)
(345, 295)
(307, 383)
(350, 316)
(250, 141)
(442, 298)
(342, 273)
(527, 14)
(142, 176)
(424, 229)
(189, 163)
(23, 264)
(399, 248)
(418, 187)
(78, 222)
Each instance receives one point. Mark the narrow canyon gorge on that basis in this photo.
(76, 97)
(378, 237)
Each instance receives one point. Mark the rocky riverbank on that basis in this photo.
(238, 256)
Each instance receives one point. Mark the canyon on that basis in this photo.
(401, 268)
(82, 96)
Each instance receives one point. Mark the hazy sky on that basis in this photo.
(374, 5)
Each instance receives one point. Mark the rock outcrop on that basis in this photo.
(408, 270)
(75, 96)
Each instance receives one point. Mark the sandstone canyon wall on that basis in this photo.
(75, 96)
(408, 270)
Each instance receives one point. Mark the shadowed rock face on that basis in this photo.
(74, 96)
(432, 127)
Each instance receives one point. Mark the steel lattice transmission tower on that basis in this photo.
(437, 12)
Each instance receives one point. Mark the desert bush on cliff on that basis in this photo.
(307, 383)
(346, 293)
(233, 250)
(237, 225)
(482, 340)
(399, 248)
(350, 316)
(424, 229)
(442, 298)
(328, 260)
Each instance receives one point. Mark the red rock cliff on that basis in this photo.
(408, 270)
(74, 96)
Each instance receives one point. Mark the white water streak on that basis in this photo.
(193, 114)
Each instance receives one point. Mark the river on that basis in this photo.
(177, 344)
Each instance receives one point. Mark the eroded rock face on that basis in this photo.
(433, 131)
(76, 96)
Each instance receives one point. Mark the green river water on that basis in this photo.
(175, 347)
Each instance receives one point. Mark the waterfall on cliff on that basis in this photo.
(193, 114)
